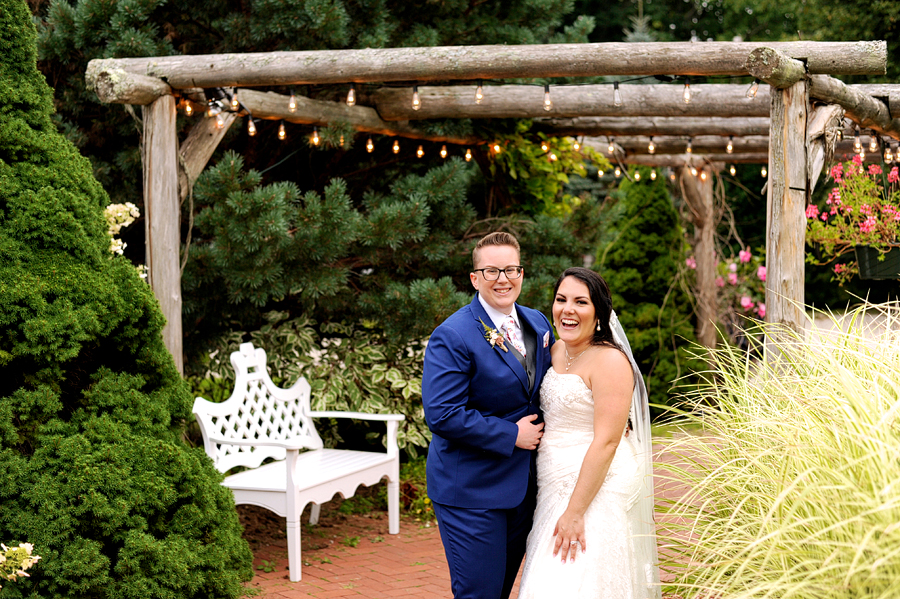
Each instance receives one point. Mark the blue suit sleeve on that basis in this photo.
(446, 382)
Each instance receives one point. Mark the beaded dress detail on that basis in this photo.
(608, 569)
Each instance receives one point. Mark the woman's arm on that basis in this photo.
(611, 382)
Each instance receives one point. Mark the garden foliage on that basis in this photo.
(93, 471)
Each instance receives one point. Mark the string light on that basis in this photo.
(732, 170)
(553, 157)
(693, 171)
(341, 142)
(703, 175)
(213, 109)
(599, 174)
(544, 146)
(443, 151)
(754, 87)
(281, 131)
(873, 143)
(651, 147)
(548, 103)
(617, 172)
(188, 109)
(220, 121)
(416, 104)
(234, 101)
(420, 152)
(351, 95)
(690, 146)
(479, 93)
(251, 126)
(857, 142)
(653, 175)
(292, 102)
(686, 94)
(370, 147)
(730, 147)
(672, 175)
(496, 148)
(468, 155)
(577, 145)
(862, 154)
(617, 97)
(611, 148)
(396, 147)
(764, 172)
(315, 136)
(637, 175)
(888, 156)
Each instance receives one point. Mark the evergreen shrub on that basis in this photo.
(93, 470)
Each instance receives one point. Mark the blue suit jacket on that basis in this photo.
(473, 396)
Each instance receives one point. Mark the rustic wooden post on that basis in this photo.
(697, 191)
(786, 207)
(198, 148)
(161, 210)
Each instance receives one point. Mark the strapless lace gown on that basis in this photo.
(607, 570)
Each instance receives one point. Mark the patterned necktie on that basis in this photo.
(511, 330)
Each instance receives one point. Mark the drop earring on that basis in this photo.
(598, 324)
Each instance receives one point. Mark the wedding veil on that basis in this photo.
(640, 516)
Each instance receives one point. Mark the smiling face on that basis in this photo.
(573, 312)
(502, 293)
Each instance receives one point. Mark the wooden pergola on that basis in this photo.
(791, 124)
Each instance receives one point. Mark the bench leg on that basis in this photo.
(314, 513)
(393, 492)
(293, 539)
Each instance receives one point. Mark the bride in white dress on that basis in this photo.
(593, 534)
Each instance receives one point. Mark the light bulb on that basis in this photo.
(693, 171)
(341, 142)
(468, 155)
(370, 147)
(281, 132)
(576, 146)
(754, 87)
(617, 172)
(443, 151)
(251, 126)
(220, 121)
(653, 175)
(553, 157)
(315, 136)
(416, 104)
(617, 97)
(420, 152)
(234, 101)
(544, 146)
(703, 175)
(599, 174)
(686, 94)
(690, 146)
(732, 170)
(611, 148)
(862, 154)
(496, 148)
(857, 142)
(873, 143)
(888, 156)
(213, 109)
(672, 175)
(730, 147)
(548, 103)
(637, 175)
(764, 172)
(292, 102)
(651, 147)
(479, 93)
(188, 109)
(351, 95)
(396, 147)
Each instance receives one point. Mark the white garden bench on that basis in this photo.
(261, 421)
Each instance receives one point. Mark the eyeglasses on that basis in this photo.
(492, 274)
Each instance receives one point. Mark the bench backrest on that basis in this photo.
(257, 409)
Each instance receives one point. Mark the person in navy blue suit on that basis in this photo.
(480, 390)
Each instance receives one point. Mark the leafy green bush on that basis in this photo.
(93, 471)
(792, 485)
(348, 368)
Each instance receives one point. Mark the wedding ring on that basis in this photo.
(573, 543)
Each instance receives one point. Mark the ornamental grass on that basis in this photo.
(793, 480)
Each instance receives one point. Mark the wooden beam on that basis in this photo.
(859, 106)
(786, 207)
(612, 125)
(775, 67)
(162, 214)
(317, 112)
(198, 148)
(444, 63)
(526, 101)
(121, 87)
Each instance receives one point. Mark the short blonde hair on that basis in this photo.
(495, 238)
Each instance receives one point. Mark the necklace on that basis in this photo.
(570, 360)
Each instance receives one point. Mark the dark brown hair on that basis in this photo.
(600, 297)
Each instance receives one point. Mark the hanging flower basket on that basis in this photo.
(871, 266)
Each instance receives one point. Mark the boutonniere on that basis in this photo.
(493, 336)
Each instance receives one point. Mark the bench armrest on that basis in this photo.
(289, 444)
(358, 416)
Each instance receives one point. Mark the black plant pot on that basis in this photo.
(870, 267)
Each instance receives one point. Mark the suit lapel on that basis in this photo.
(507, 356)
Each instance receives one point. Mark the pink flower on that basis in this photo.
(732, 278)
(761, 310)
(839, 268)
(761, 273)
(746, 302)
(874, 169)
(824, 216)
(720, 282)
(857, 160)
(868, 225)
(812, 211)
(732, 267)
(894, 176)
(744, 256)
(691, 262)
(837, 171)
